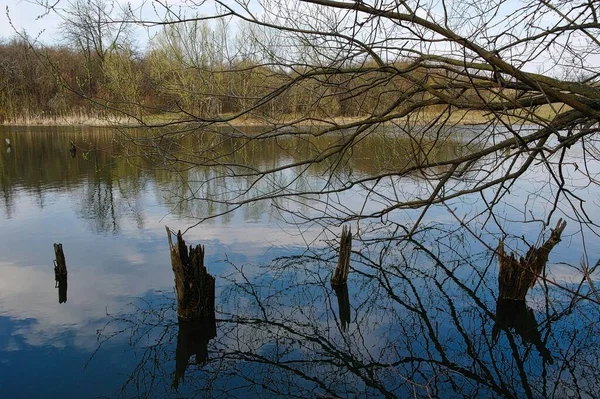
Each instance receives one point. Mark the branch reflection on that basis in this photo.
(419, 329)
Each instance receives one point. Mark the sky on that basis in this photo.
(27, 15)
(24, 16)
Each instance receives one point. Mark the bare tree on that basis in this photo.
(425, 68)
(94, 28)
(438, 128)
(328, 76)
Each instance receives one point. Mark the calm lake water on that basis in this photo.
(418, 319)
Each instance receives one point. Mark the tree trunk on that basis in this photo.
(195, 288)
(60, 263)
(517, 276)
(340, 275)
(60, 273)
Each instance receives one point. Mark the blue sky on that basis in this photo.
(29, 16)
(23, 15)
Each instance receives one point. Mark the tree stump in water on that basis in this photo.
(195, 288)
(60, 264)
(72, 149)
(340, 275)
(60, 273)
(517, 276)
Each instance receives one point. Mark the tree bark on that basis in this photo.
(195, 288)
(517, 276)
(60, 263)
(340, 275)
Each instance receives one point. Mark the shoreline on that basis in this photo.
(458, 117)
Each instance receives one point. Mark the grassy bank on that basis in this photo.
(457, 117)
(73, 119)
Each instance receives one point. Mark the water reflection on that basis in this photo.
(192, 340)
(418, 332)
(111, 173)
(341, 293)
(516, 316)
(416, 318)
(60, 273)
(61, 284)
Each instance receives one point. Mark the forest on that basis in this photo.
(198, 70)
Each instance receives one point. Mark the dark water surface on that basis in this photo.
(418, 319)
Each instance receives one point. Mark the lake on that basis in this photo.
(418, 318)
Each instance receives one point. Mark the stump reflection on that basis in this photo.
(517, 316)
(192, 340)
(341, 292)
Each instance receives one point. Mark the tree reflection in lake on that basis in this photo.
(420, 316)
(417, 328)
(341, 292)
(109, 177)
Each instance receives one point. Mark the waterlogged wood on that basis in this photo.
(516, 276)
(60, 273)
(195, 288)
(60, 264)
(340, 275)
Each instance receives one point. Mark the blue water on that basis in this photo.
(416, 323)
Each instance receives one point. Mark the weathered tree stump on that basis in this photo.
(192, 339)
(60, 264)
(340, 275)
(60, 273)
(341, 292)
(517, 276)
(195, 288)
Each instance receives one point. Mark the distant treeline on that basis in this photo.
(190, 70)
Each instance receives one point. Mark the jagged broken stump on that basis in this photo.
(340, 275)
(517, 276)
(195, 288)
